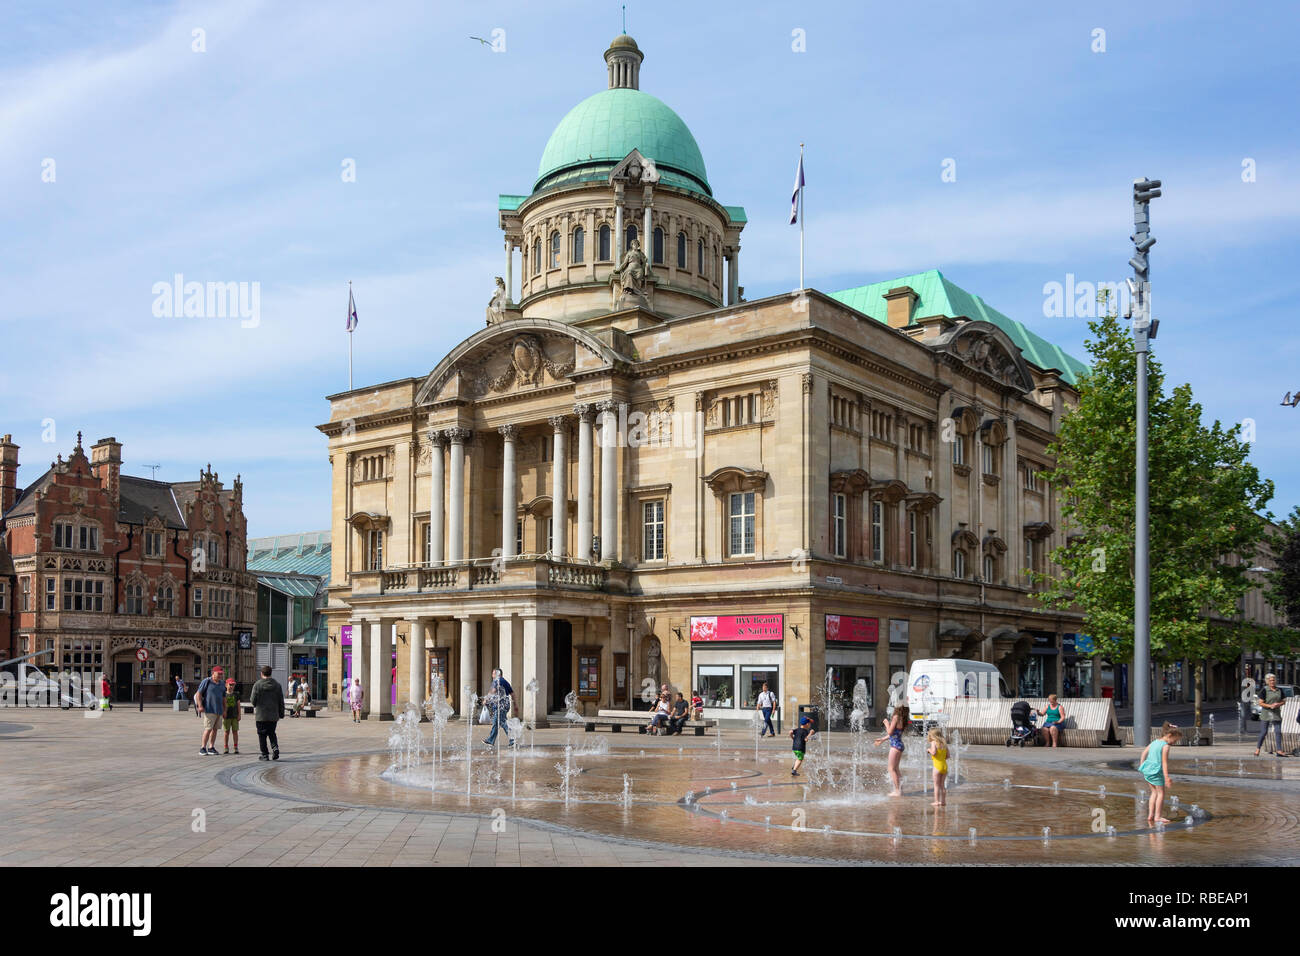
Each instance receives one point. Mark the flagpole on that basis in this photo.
(801, 215)
(349, 335)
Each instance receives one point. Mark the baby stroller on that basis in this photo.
(1023, 729)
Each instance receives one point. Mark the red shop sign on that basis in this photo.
(859, 630)
(738, 627)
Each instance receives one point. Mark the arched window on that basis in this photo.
(990, 568)
(555, 250)
(578, 237)
(699, 256)
(959, 563)
(537, 256)
(631, 237)
(604, 244)
(659, 246)
(681, 250)
(134, 599)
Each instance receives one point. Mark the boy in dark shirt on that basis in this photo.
(801, 735)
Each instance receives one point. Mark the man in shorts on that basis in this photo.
(210, 702)
(230, 716)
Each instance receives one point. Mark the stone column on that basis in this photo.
(618, 225)
(437, 498)
(510, 666)
(456, 519)
(733, 277)
(560, 487)
(468, 665)
(585, 502)
(608, 481)
(508, 505)
(361, 659)
(536, 667)
(418, 689)
(380, 693)
(510, 268)
(648, 236)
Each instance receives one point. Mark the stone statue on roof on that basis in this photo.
(627, 282)
(496, 308)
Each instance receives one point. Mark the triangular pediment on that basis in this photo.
(634, 168)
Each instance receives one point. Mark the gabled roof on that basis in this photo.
(938, 296)
(141, 497)
(26, 502)
(293, 554)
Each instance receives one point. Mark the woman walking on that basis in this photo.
(894, 728)
(1270, 714)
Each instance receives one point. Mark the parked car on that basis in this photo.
(1288, 690)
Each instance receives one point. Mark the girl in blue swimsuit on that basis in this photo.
(894, 728)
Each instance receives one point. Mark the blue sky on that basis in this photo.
(224, 166)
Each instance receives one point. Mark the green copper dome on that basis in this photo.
(602, 129)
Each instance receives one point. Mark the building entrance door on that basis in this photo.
(561, 662)
(123, 675)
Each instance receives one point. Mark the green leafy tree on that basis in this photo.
(1284, 581)
(1205, 502)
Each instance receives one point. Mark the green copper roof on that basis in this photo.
(737, 213)
(938, 296)
(602, 129)
(509, 203)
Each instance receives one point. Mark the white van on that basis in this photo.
(933, 682)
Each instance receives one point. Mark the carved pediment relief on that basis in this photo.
(512, 355)
(985, 348)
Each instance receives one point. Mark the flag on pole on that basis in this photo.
(794, 197)
(352, 310)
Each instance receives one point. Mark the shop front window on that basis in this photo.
(1031, 677)
(845, 677)
(716, 684)
(752, 680)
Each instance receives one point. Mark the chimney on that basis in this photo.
(900, 303)
(8, 473)
(106, 464)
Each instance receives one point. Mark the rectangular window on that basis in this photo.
(742, 523)
(152, 544)
(877, 531)
(26, 586)
(550, 537)
(989, 460)
(717, 685)
(63, 535)
(959, 564)
(198, 602)
(840, 519)
(1031, 478)
(212, 553)
(911, 540)
(959, 450)
(519, 536)
(752, 680)
(3, 595)
(652, 530)
(375, 551)
(50, 593)
(1029, 554)
(88, 539)
(425, 543)
(988, 569)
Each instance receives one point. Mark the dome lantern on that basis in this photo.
(623, 58)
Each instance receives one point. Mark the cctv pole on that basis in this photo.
(1144, 330)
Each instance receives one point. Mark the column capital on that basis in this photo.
(607, 407)
(508, 432)
(458, 436)
(437, 436)
(559, 422)
(584, 412)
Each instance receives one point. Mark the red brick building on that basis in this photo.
(96, 564)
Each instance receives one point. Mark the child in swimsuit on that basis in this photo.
(937, 748)
(1155, 768)
(894, 734)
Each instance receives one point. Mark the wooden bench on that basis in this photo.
(1089, 722)
(616, 720)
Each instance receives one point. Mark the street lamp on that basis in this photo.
(1144, 330)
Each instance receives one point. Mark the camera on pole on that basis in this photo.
(1144, 190)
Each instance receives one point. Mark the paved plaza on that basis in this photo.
(130, 789)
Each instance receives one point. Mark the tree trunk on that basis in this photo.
(1196, 682)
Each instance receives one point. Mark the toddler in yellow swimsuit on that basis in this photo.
(937, 748)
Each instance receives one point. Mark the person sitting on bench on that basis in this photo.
(677, 719)
(660, 719)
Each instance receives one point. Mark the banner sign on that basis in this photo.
(859, 630)
(740, 627)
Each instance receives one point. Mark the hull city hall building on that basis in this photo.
(633, 476)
